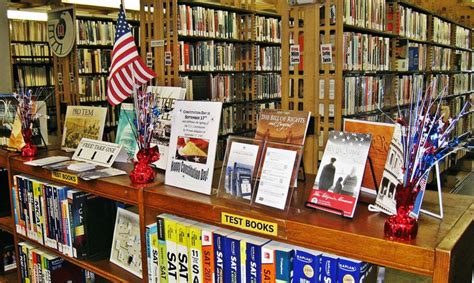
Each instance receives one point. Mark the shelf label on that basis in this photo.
(65, 177)
(249, 224)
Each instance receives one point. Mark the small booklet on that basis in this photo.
(47, 161)
(101, 173)
(337, 185)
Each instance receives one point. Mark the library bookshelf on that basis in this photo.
(411, 46)
(442, 249)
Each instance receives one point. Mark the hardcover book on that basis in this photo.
(165, 98)
(126, 129)
(382, 134)
(82, 122)
(193, 144)
(337, 185)
(306, 265)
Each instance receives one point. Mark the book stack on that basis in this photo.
(182, 250)
(28, 31)
(363, 93)
(461, 83)
(366, 52)
(39, 265)
(441, 59)
(206, 22)
(462, 37)
(93, 60)
(92, 88)
(62, 218)
(207, 56)
(441, 31)
(408, 87)
(369, 14)
(267, 58)
(409, 23)
(267, 29)
(96, 32)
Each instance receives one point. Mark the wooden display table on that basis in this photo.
(442, 250)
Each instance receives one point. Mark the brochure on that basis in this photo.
(165, 98)
(126, 129)
(82, 122)
(337, 185)
(193, 144)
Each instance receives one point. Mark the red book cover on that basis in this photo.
(301, 44)
(186, 56)
(337, 184)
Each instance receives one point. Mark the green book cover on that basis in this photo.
(126, 129)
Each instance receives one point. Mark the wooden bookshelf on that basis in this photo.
(7, 224)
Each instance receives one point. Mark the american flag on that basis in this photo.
(127, 68)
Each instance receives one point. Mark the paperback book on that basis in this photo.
(382, 134)
(82, 122)
(337, 185)
(165, 98)
(193, 144)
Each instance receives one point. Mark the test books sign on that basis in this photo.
(193, 143)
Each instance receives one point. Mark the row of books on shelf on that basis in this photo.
(238, 119)
(31, 49)
(461, 60)
(369, 14)
(366, 52)
(463, 37)
(98, 32)
(441, 58)
(34, 75)
(39, 265)
(414, 57)
(407, 22)
(463, 83)
(207, 56)
(201, 21)
(441, 31)
(63, 219)
(92, 88)
(182, 250)
(28, 30)
(229, 87)
(93, 60)
(364, 93)
(267, 29)
(267, 58)
(409, 86)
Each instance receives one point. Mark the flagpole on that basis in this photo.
(122, 2)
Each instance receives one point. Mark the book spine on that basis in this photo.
(38, 217)
(30, 231)
(232, 259)
(207, 238)
(304, 261)
(171, 249)
(195, 251)
(219, 242)
(80, 236)
(163, 259)
(268, 265)
(57, 217)
(148, 254)
(155, 265)
(183, 252)
(328, 269)
(254, 263)
(284, 266)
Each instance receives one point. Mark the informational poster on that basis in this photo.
(193, 143)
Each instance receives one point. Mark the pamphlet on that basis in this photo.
(337, 185)
(240, 169)
(126, 129)
(193, 144)
(165, 98)
(47, 160)
(101, 173)
(382, 134)
(82, 122)
(275, 177)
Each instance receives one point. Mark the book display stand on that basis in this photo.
(252, 166)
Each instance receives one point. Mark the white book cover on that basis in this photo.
(193, 144)
(165, 98)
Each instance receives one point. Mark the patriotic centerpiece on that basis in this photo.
(129, 75)
(426, 139)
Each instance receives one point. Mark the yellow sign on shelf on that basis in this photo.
(65, 177)
(249, 224)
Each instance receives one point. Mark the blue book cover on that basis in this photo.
(14, 204)
(284, 257)
(306, 265)
(328, 268)
(351, 270)
(413, 58)
(219, 251)
(232, 272)
(254, 258)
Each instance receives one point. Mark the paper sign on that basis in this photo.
(168, 58)
(99, 152)
(249, 224)
(294, 54)
(326, 53)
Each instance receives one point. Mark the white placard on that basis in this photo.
(99, 152)
(193, 143)
(326, 53)
(275, 177)
(294, 54)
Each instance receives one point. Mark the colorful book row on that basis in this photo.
(182, 250)
(366, 52)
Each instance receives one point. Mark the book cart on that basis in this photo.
(442, 250)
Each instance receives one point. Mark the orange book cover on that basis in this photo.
(207, 255)
(382, 134)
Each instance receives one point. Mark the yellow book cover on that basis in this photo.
(195, 253)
